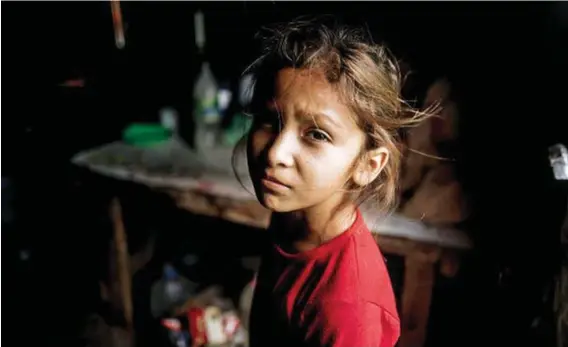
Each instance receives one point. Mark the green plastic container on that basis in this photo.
(145, 134)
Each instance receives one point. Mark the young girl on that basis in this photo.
(326, 114)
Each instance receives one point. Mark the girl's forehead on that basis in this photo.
(301, 80)
(309, 93)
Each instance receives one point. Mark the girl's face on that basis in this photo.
(303, 143)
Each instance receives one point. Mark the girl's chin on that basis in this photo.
(277, 204)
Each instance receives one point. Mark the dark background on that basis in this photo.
(506, 62)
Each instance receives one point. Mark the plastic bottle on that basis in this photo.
(170, 292)
(206, 114)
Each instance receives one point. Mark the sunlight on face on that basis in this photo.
(303, 143)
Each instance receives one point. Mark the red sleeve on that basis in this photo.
(342, 324)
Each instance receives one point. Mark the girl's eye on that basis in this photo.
(317, 135)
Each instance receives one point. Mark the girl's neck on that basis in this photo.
(308, 228)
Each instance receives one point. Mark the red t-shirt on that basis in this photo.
(336, 295)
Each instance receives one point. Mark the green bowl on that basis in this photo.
(145, 134)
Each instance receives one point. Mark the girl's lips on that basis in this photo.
(274, 185)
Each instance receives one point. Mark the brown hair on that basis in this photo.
(366, 77)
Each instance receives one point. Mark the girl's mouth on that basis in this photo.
(271, 183)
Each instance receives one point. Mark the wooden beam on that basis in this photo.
(123, 263)
(416, 297)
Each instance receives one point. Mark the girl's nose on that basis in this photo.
(282, 149)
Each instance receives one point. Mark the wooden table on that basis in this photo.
(222, 197)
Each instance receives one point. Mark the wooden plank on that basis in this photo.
(416, 297)
(251, 213)
(246, 213)
(123, 263)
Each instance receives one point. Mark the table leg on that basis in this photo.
(416, 297)
(122, 263)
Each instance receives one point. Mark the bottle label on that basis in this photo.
(207, 111)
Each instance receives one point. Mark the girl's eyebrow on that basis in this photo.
(321, 118)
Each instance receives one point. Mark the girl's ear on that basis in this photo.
(370, 166)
